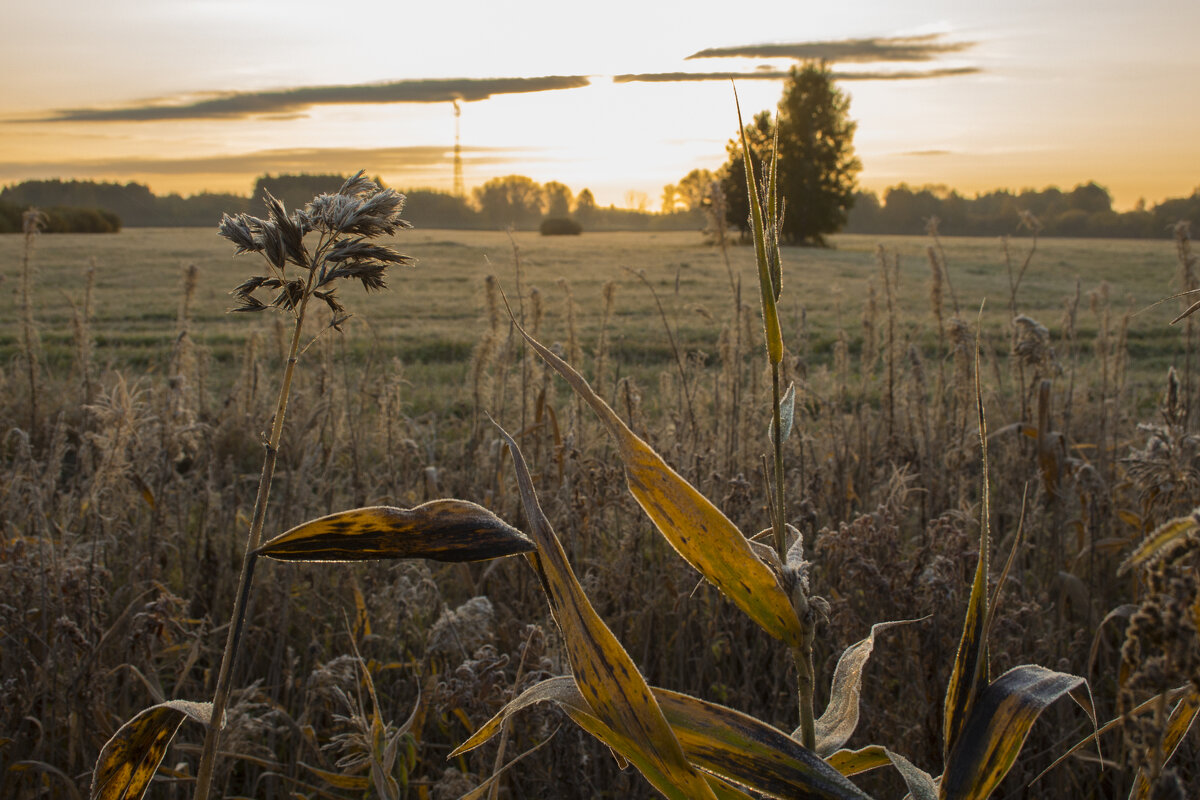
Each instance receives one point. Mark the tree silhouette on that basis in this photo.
(558, 199)
(817, 166)
(693, 188)
(512, 200)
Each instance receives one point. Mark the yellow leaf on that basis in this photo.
(1178, 724)
(128, 761)
(443, 530)
(1130, 518)
(1159, 538)
(337, 780)
(921, 785)
(697, 529)
(855, 762)
(606, 675)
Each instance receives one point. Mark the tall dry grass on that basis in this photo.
(122, 496)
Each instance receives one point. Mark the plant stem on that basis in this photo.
(805, 682)
(221, 695)
(28, 330)
(779, 517)
(802, 655)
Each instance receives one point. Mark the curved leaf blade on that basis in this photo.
(921, 785)
(443, 530)
(696, 528)
(1168, 696)
(1162, 536)
(837, 723)
(787, 415)
(721, 740)
(564, 692)
(1178, 725)
(615, 690)
(771, 329)
(856, 762)
(996, 731)
(969, 676)
(129, 759)
(749, 751)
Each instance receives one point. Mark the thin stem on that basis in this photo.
(803, 658)
(777, 521)
(204, 773)
(28, 330)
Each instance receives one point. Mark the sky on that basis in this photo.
(621, 97)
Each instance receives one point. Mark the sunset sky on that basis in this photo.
(617, 96)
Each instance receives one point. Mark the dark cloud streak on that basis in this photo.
(774, 75)
(348, 159)
(240, 105)
(860, 51)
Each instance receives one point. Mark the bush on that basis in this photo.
(81, 220)
(560, 226)
(60, 219)
(10, 218)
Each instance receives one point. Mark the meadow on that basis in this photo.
(133, 405)
(435, 315)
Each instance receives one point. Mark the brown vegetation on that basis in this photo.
(124, 500)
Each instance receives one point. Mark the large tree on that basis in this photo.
(558, 199)
(511, 200)
(817, 166)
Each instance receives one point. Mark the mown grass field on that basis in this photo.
(433, 316)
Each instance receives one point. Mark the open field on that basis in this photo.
(132, 442)
(434, 315)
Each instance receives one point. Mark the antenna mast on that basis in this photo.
(458, 169)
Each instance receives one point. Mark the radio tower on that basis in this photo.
(458, 176)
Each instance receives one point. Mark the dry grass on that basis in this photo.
(125, 494)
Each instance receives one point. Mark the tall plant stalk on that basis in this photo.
(31, 224)
(253, 540)
(345, 222)
(765, 219)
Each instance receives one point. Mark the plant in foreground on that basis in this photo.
(685, 747)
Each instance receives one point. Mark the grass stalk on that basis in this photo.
(31, 223)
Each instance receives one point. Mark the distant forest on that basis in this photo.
(1085, 211)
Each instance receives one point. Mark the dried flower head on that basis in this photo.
(1032, 344)
(344, 222)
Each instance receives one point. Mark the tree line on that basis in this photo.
(1085, 211)
(807, 137)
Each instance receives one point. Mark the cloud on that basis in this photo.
(344, 160)
(774, 75)
(927, 153)
(861, 51)
(239, 105)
